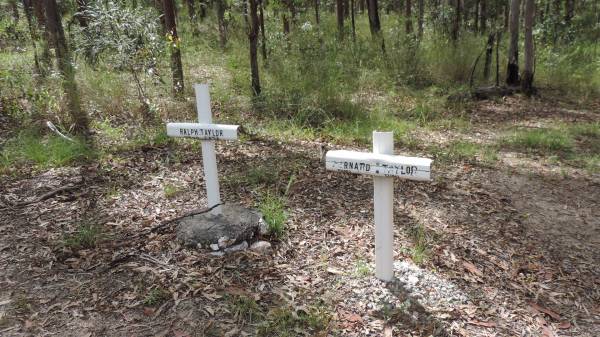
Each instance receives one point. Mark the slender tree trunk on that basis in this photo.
(569, 10)
(203, 4)
(352, 14)
(28, 8)
(176, 66)
(527, 80)
(66, 68)
(498, 37)
(286, 24)
(457, 20)
(408, 16)
(512, 75)
(339, 10)
(38, 11)
(506, 14)
(263, 35)
(489, 50)
(476, 18)
(421, 4)
(253, 39)
(346, 9)
(374, 23)
(483, 17)
(221, 22)
(317, 19)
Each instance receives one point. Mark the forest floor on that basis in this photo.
(507, 248)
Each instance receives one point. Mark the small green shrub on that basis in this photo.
(273, 211)
(86, 236)
(171, 191)
(156, 296)
(287, 322)
(420, 250)
(244, 308)
(49, 151)
(540, 140)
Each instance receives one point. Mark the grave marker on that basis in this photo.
(383, 165)
(207, 133)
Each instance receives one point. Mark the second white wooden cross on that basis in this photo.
(384, 165)
(208, 133)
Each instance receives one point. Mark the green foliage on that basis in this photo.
(48, 151)
(362, 269)
(123, 37)
(573, 69)
(156, 296)
(420, 250)
(541, 140)
(244, 308)
(171, 191)
(286, 322)
(273, 209)
(86, 236)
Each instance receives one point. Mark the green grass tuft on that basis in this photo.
(86, 236)
(274, 213)
(156, 296)
(541, 140)
(43, 152)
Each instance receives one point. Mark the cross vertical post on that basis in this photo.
(383, 193)
(209, 158)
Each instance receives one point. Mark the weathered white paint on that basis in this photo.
(203, 131)
(383, 165)
(379, 164)
(383, 202)
(208, 133)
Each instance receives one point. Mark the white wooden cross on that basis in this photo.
(383, 165)
(208, 133)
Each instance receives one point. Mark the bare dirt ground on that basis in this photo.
(516, 243)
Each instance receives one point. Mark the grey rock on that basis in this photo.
(237, 248)
(261, 246)
(214, 246)
(225, 242)
(235, 222)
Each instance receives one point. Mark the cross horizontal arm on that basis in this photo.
(203, 131)
(411, 168)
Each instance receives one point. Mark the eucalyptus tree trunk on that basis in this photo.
(263, 44)
(352, 14)
(253, 39)
(457, 20)
(483, 16)
(421, 4)
(38, 11)
(221, 7)
(339, 10)
(408, 15)
(374, 23)
(527, 80)
(171, 26)
(65, 66)
(512, 70)
(489, 49)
